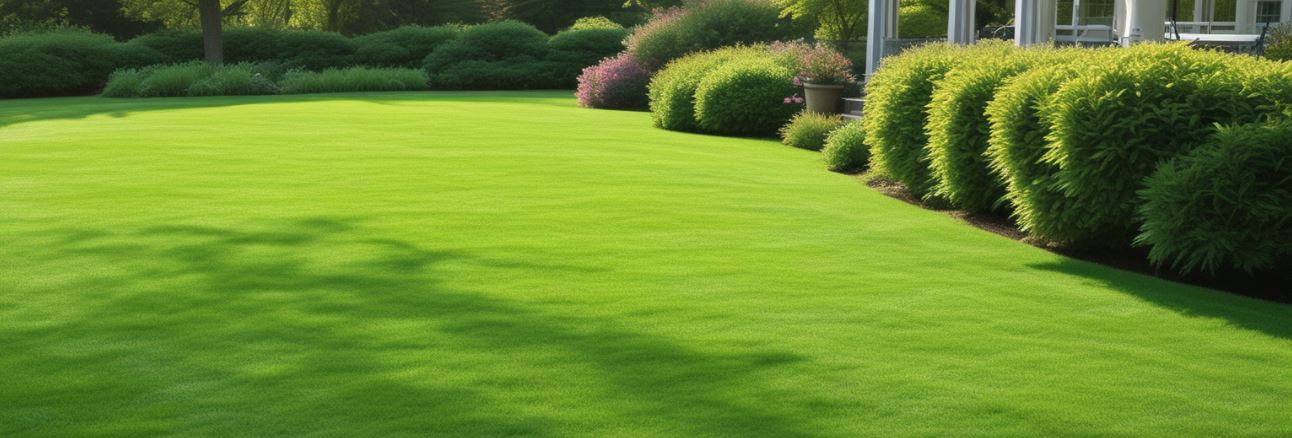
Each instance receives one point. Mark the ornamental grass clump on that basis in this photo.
(1116, 121)
(808, 130)
(897, 99)
(616, 83)
(1227, 204)
(845, 149)
(957, 125)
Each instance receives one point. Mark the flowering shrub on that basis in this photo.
(619, 82)
(823, 65)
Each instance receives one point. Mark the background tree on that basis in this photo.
(103, 16)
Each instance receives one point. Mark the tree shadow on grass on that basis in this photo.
(1270, 318)
(315, 325)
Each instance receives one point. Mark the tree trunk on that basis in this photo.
(212, 35)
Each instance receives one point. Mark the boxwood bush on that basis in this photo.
(897, 99)
(1114, 122)
(571, 51)
(808, 130)
(404, 46)
(707, 25)
(957, 126)
(354, 79)
(672, 90)
(64, 62)
(500, 55)
(1226, 204)
(746, 97)
(845, 149)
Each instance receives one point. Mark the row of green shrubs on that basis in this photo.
(731, 91)
(198, 78)
(1098, 147)
(501, 55)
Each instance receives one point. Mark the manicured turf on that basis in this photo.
(508, 263)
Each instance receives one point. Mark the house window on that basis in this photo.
(1267, 12)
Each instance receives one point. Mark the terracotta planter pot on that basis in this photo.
(823, 99)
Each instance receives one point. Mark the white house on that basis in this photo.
(1122, 22)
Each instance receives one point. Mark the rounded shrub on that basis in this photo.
(64, 62)
(957, 126)
(1226, 204)
(500, 55)
(173, 80)
(745, 97)
(897, 99)
(1113, 123)
(1018, 146)
(616, 83)
(597, 22)
(571, 51)
(308, 49)
(404, 46)
(808, 130)
(233, 80)
(845, 149)
(707, 25)
(672, 90)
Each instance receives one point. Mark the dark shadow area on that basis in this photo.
(313, 300)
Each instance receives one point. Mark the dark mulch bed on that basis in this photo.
(1271, 286)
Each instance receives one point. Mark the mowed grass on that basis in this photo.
(511, 264)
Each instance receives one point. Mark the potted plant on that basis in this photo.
(824, 75)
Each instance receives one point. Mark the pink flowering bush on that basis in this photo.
(618, 83)
(823, 65)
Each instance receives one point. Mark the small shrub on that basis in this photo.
(707, 25)
(957, 126)
(672, 90)
(194, 78)
(897, 99)
(125, 82)
(500, 55)
(173, 80)
(1116, 121)
(808, 130)
(354, 79)
(587, 23)
(404, 46)
(233, 80)
(1226, 204)
(745, 97)
(845, 149)
(571, 51)
(618, 83)
(64, 62)
(1278, 43)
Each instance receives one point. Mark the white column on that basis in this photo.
(1285, 14)
(960, 22)
(877, 32)
(1145, 21)
(893, 22)
(1034, 21)
(1243, 15)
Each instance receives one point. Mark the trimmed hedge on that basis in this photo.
(708, 25)
(65, 62)
(672, 90)
(1226, 204)
(1116, 121)
(404, 46)
(745, 98)
(353, 79)
(309, 49)
(500, 56)
(571, 51)
(845, 149)
(957, 126)
(897, 99)
(808, 130)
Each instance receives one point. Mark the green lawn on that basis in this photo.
(511, 264)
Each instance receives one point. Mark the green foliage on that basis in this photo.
(845, 149)
(354, 79)
(957, 125)
(309, 49)
(672, 90)
(1226, 204)
(404, 46)
(501, 55)
(833, 19)
(922, 20)
(64, 62)
(1018, 145)
(897, 98)
(707, 25)
(233, 80)
(1278, 43)
(193, 78)
(175, 45)
(571, 51)
(808, 130)
(597, 22)
(1113, 124)
(745, 97)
